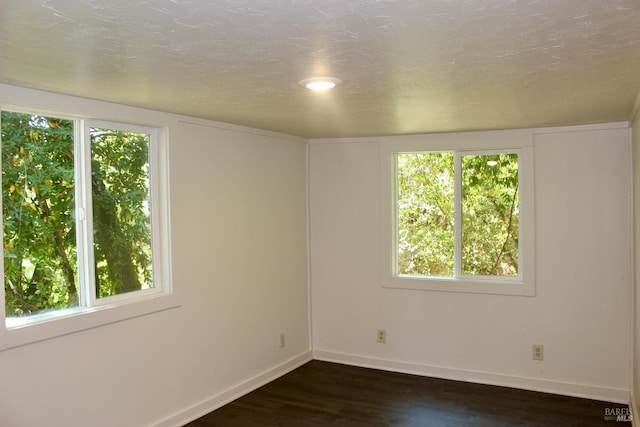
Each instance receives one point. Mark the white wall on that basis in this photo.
(581, 312)
(239, 244)
(635, 131)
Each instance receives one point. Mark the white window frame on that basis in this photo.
(521, 285)
(84, 194)
(92, 311)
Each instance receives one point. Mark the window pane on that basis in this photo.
(490, 214)
(425, 215)
(121, 211)
(39, 237)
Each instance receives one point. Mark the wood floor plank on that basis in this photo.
(330, 394)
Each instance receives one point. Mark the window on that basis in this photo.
(436, 239)
(459, 220)
(84, 219)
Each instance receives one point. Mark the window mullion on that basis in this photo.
(394, 215)
(457, 241)
(84, 222)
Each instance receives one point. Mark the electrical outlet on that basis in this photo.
(538, 352)
(382, 336)
(283, 341)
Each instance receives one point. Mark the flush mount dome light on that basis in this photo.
(320, 83)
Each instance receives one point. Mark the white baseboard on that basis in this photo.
(607, 394)
(216, 401)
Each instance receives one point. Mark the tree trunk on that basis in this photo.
(108, 234)
(63, 259)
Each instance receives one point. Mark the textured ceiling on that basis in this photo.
(408, 66)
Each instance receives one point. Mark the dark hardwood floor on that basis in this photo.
(329, 394)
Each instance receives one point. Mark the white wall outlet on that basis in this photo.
(538, 352)
(283, 340)
(382, 336)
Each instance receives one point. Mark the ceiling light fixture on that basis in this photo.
(320, 83)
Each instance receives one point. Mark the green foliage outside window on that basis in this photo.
(490, 215)
(425, 214)
(121, 211)
(39, 213)
(425, 210)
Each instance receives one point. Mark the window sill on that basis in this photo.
(21, 331)
(491, 286)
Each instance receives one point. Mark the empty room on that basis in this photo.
(339, 212)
